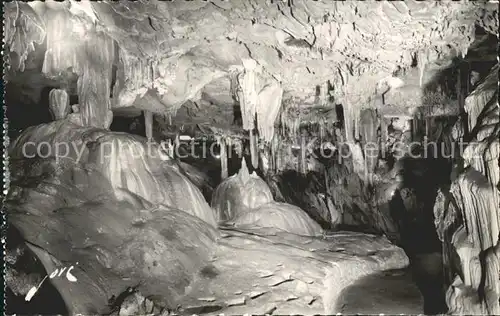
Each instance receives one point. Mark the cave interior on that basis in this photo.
(262, 157)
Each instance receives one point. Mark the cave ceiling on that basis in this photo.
(173, 54)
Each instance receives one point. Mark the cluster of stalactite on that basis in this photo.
(259, 97)
(22, 29)
(137, 75)
(353, 182)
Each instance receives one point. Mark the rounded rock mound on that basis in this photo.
(283, 216)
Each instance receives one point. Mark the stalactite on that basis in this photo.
(62, 44)
(268, 108)
(59, 104)
(238, 147)
(177, 141)
(132, 75)
(461, 98)
(356, 121)
(296, 128)
(369, 125)
(415, 128)
(229, 148)
(422, 64)
(383, 130)
(170, 148)
(22, 29)
(223, 157)
(274, 145)
(428, 126)
(253, 150)
(348, 120)
(248, 96)
(321, 130)
(136, 75)
(302, 155)
(264, 159)
(90, 57)
(282, 122)
(94, 83)
(148, 121)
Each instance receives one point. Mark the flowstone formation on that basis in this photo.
(467, 210)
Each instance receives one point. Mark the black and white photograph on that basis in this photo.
(251, 157)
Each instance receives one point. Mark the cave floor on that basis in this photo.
(264, 271)
(389, 292)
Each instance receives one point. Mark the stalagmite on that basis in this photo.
(59, 104)
(148, 121)
(254, 153)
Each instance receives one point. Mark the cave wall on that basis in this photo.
(466, 211)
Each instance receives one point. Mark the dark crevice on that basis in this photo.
(151, 23)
